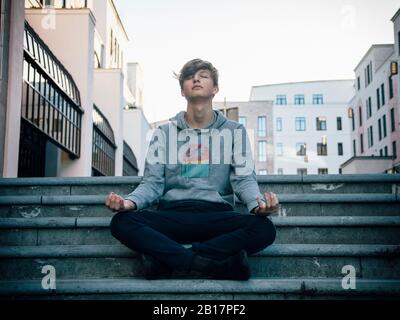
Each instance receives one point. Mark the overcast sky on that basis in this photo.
(250, 42)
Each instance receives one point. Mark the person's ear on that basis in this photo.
(215, 90)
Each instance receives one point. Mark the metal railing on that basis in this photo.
(50, 98)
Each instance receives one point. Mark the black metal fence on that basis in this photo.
(129, 167)
(103, 150)
(50, 98)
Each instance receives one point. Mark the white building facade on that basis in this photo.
(74, 95)
(374, 122)
(311, 133)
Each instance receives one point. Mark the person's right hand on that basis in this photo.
(270, 206)
(117, 203)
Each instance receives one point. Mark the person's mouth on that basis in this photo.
(197, 87)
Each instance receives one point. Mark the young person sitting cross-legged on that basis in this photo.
(193, 181)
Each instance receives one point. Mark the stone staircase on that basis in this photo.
(325, 223)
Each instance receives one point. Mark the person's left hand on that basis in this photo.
(270, 206)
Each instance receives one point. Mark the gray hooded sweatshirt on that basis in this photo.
(183, 163)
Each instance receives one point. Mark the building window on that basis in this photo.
(299, 99)
(370, 137)
(317, 99)
(380, 129)
(301, 124)
(280, 170)
(322, 170)
(391, 88)
(383, 94)
(301, 171)
(381, 152)
(384, 126)
(279, 149)
(353, 120)
(339, 123)
(394, 148)
(369, 107)
(358, 83)
(392, 120)
(262, 151)
(262, 126)
(368, 74)
(370, 70)
(115, 48)
(278, 124)
(340, 149)
(360, 115)
(386, 151)
(354, 148)
(263, 172)
(378, 99)
(398, 42)
(321, 123)
(361, 143)
(111, 43)
(242, 120)
(281, 99)
(322, 149)
(301, 149)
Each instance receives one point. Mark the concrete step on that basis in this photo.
(363, 183)
(306, 230)
(278, 260)
(291, 205)
(296, 288)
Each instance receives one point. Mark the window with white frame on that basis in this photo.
(281, 99)
(299, 99)
(279, 149)
(318, 99)
(278, 124)
(262, 151)
(262, 126)
(300, 123)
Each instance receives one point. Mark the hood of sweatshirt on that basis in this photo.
(179, 119)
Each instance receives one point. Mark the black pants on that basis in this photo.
(214, 232)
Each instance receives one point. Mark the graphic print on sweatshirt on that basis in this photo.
(196, 162)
